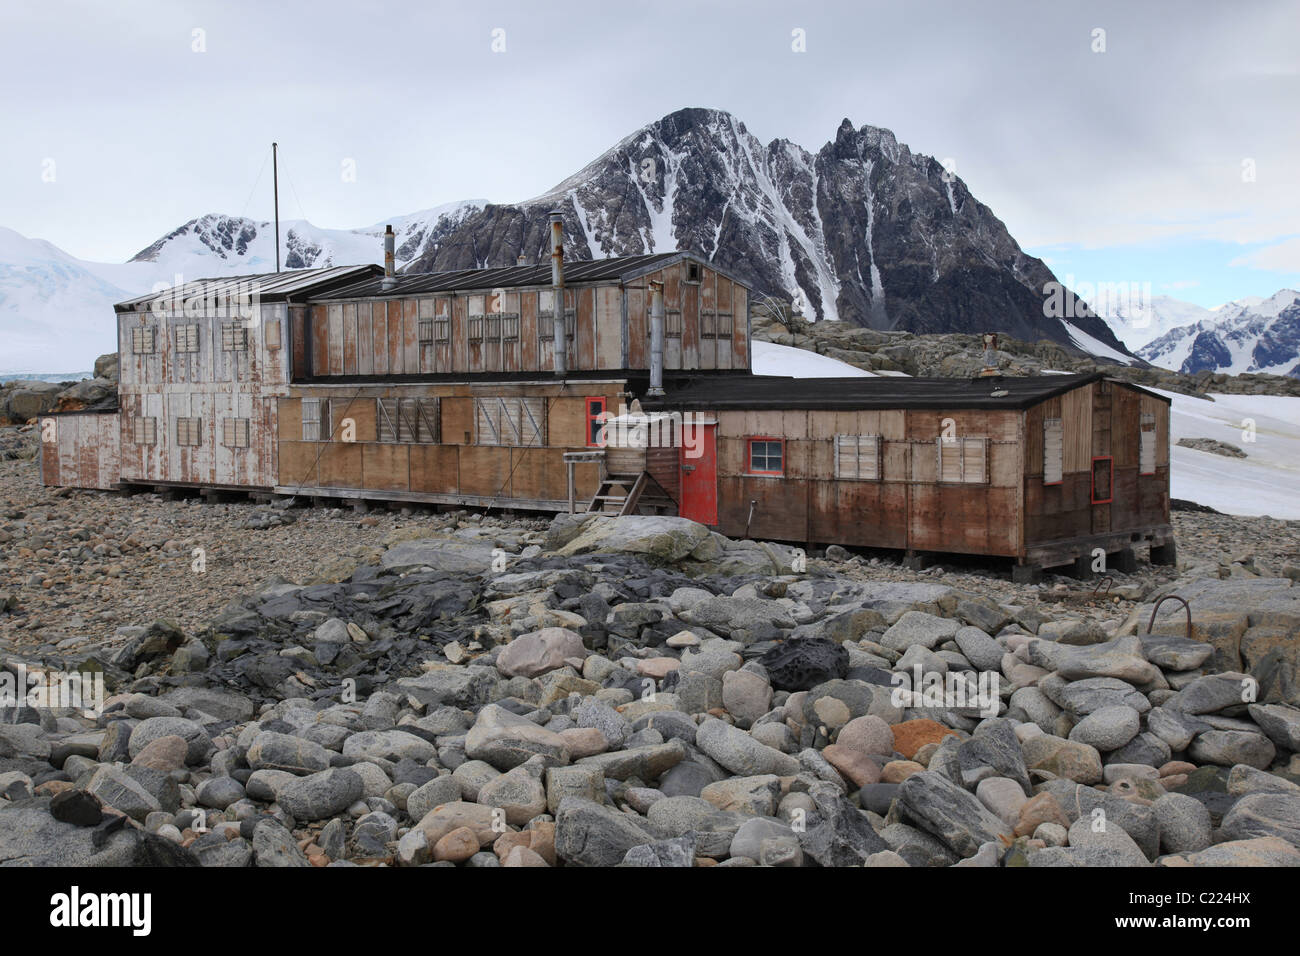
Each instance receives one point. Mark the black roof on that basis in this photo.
(758, 392)
(267, 286)
(576, 272)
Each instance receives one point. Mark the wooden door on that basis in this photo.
(698, 458)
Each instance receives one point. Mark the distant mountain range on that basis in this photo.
(1248, 335)
(863, 230)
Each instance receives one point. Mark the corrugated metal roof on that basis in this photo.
(268, 286)
(777, 392)
(576, 272)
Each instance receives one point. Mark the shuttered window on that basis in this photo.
(510, 327)
(510, 421)
(187, 338)
(271, 333)
(714, 324)
(476, 328)
(407, 420)
(963, 460)
(234, 432)
(546, 318)
(857, 457)
(144, 431)
(1052, 451)
(142, 340)
(234, 337)
(442, 330)
(311, 430)
(189, 432)
(1147, 445)
(426, 331)
(672, 323)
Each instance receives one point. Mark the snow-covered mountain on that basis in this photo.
(1138, 323)
(56, 311)
(863, 231)
(1249, 335)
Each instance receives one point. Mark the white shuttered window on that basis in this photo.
(857, 457)
(1052, 444)
(1147, 445)
(963, 460)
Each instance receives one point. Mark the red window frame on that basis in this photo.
(749, 456)
(595, 416)
(1092, 478)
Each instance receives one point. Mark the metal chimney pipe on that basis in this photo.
(390, 280)
(656, 339)
(522, 260)
(557, 287)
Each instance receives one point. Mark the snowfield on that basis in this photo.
(772, 359)
(1267, 482)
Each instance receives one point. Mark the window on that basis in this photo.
(442, 330)
(492, 327)
(407, 420)
(311, 409)
(234, 432)
(510, 421)
(766, 456)
(476, 328)
(234, 337)
(857, 457)
(510, 327)
(187, 338)
(672, 323)
(144, 431)
(595, 422)
(963, 460)
(189, 432)
(1052, 450)
(546, 318)
(1103, 475)
(142, 340)
(1147, 445)
(692, 272)
(426, 331)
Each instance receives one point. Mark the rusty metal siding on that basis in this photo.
(81, 450)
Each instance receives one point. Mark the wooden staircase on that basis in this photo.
(629, 495)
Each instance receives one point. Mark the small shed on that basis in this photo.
(1044, 470)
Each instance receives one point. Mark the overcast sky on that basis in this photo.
(1172, 156)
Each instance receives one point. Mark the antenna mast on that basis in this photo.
(275, 178)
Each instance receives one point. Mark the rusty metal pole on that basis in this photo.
(389, 259)
(656, 340)
(275, 178)
(557, 287)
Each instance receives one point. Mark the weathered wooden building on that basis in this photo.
(461, 388)
(1045, 470)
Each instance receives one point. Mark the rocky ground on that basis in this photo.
(366, 689)
(955, 355)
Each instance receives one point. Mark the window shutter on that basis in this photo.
(950, 459)
(311, 419)
(1147, 445)
(1052, 450)
(187, 338)
(385, 419)
(975, 460)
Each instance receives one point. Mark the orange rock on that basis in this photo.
(856, 767)
(52, 787)
(542, 841)
(658, 667)
(508, 841)
(896, 771)
(584, 742)
(457, 846)
(319, 860)
(911, 735)
(1173, 781)
(1038, 810)
(1174, 767)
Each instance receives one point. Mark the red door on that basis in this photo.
(698, 456)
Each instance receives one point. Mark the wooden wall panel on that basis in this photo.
(638, 339)
(340, 465)
(609, 328)
(385, 466)
(740, 338)
(1076, 430)
(485, 470)
(435, 468)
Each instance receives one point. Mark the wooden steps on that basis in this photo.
(631, 494)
